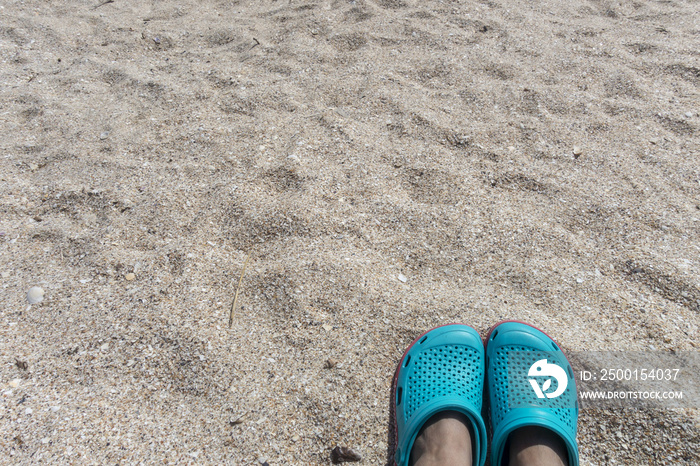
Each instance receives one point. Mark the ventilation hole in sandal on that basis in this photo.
(399, 394)
(554, 345)
(494, 335)
(408, 360)
(422, 340)
(571, 372)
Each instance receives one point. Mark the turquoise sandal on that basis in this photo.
(442, 370)
(529, 383)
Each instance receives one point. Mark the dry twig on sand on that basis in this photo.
(238, 288)
(102, 4)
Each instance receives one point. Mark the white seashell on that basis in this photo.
(35, 295)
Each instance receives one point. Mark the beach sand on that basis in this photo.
(387, 166)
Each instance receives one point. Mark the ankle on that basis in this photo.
(537, 446)
(446, 438)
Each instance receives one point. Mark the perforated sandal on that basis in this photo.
(442, 370)
(529, 383)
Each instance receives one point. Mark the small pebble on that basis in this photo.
(402, 278)
(55, 408)
(345, 454)
(262, 460)
(130, 276)
(104, 347)
(14, 383)
(689, 114)
(577, 151)
(104, 135)
(295, 438)
(33, 166)
(28, 411)
(35, 295)
(45, 440)
(5, 275)
(327, 327)
(331, 363)
(579, 280)
(654, 140)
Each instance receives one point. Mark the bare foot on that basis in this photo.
(446, 438)
(537, 446)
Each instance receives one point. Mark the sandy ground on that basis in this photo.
(341, 145)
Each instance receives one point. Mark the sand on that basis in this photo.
(529, 160)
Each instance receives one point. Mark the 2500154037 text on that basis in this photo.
(630, 374)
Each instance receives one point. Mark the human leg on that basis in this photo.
(536, 446)
(445, 438)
